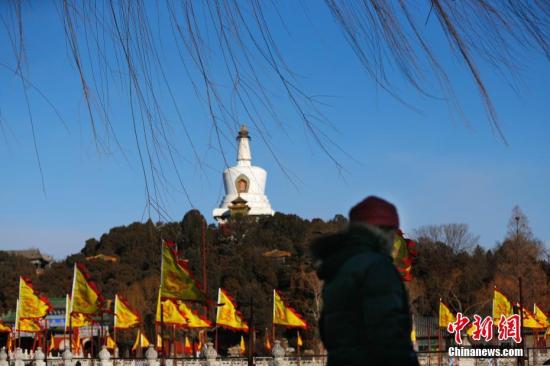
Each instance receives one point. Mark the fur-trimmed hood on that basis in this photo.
(330, 252)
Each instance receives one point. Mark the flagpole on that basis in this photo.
(46, 350)
(36, 335)
(216, 320)
(160, 300)
(114, 321)
(273, 318)
(71, 312)
(71, 329)
(174, 339)
(521, 360)
(216, 338)
(203, 259)
(43, 340)
(429, 344)
(251, 334)
(46, 342)
(18, 321)
(298, 347)
(162, 329)
(92, 340)
(438, 346)
(535, 351)
(102, 331)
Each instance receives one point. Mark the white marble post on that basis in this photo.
(67, 357)
(211, 356)
(18, 357)
(39, 357)
(278, 355)
(105, 357)
(3, 357)
(151, 356)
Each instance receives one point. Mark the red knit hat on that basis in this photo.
(375, 211)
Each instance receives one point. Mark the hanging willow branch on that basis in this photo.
(125, 42)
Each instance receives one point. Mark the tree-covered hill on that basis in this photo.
(240, 258)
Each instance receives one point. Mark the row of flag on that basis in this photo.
(177, 292)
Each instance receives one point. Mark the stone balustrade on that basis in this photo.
(210, 358)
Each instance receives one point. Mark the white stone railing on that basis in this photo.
(536, 357)
(209, 358)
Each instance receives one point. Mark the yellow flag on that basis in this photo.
(176, 281)
(125, 317)
(299, 341)
(29, 325)
(541, 316)
(413, 334)
(110, 343)
(227, 314)
(170, 313)
(25, 325)
(529, 320)
(76, 343)
(141, 341)
(85, 297)
(77, 320)
(285, 315)
(445, 315)
(501, 306)
(194, 319)
(187, 348)
(199, 345)
(4, 328)
(51, 346)
(31, 304)
(242, 345)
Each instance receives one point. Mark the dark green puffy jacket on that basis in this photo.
(365, 318)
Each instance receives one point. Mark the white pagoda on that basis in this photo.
(244, 185)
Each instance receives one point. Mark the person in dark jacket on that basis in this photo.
(365, 318)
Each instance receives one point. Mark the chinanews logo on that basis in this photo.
(483, 352)
(507, 329)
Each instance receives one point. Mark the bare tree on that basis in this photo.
(455, 236)
(518, 225)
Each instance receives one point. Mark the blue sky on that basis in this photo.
(436, 168)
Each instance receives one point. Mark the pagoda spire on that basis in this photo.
(244, 156)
